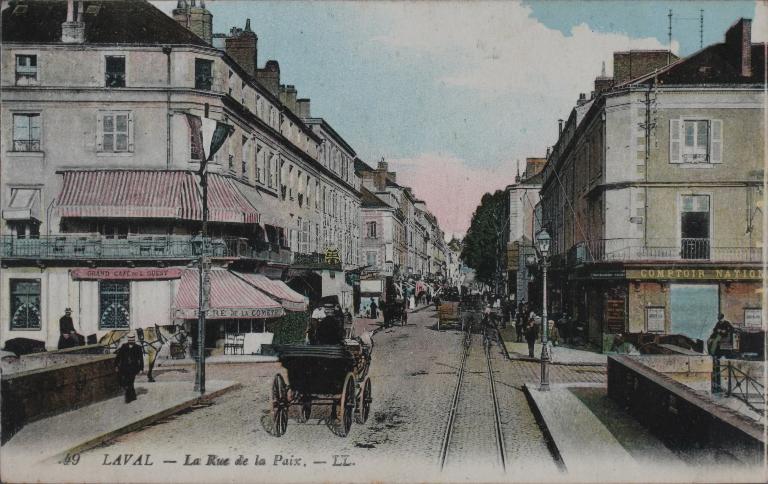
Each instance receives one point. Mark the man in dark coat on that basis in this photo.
(721, 332)
(531, 333)
(374, 309)
(68, 337)
(129, 362)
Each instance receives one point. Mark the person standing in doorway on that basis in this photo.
(374, 310)
(129, 362)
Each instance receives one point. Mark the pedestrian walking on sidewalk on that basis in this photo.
(531, 333)
(374, 310)
(129, 362)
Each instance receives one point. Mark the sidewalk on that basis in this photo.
(560, 354)
(593, 439)
(89, 426)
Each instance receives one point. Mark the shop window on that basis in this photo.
(114, 304)
(25, 304)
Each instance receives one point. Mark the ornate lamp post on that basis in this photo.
(542, 244)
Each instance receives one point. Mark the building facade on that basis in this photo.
(101, 196)
(652, 192)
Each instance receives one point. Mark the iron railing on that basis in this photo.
(720, 250)
(738, 384)
(136, 247)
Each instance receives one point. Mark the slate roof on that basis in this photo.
(715, 64)
(361, 166)
(369, 200)
(113, 22)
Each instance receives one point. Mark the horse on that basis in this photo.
(151, 339)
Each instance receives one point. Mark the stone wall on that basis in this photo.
(34, 394)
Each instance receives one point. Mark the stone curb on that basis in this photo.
(551, 444)
(91, 443)
(558, 363)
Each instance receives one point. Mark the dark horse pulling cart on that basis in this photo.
(332, 375)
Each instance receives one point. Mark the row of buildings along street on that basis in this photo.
(109, 111)
(652, 196)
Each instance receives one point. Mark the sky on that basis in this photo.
(455, 94)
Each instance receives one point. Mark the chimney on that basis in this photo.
(738, 42)
(549, 151)
(290, 97)
(269, 77)
(582, 99)
(302, 108)
(632, 64)
(241, 46)
(195, 18)
(559, 127)
(383, 165)
(73, 30)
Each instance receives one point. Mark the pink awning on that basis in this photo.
(151, 194)
(230, 298)
(290, 299)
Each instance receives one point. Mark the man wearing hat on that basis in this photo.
(129, 362)
(68, 337)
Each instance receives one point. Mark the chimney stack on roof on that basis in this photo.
(241, 45)
(195, 18)
(738, 40)
(73, 29)
(302, 108)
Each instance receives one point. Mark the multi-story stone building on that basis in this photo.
(106, 115)
(652, 192)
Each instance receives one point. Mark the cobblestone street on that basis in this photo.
(414, 376)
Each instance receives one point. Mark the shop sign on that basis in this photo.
(614, 315)
(121, 273)
(753, 318)
(618, 274)
(654, 317)
(332, 256)
(513, 254)
(696, 274)
(231, 313)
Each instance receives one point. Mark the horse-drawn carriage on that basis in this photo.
(328, 375)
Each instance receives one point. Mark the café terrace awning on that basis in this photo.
(230, 298)
(290, 299)
(151, 194)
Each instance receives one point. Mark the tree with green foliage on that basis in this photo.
(483, 239)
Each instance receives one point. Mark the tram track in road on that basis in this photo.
(473, 431)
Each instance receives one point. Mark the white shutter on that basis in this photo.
(674, 141)
(130, 132)
(99, 131)
(716, 143)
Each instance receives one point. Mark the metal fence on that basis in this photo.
(737, 383)
(664, 249)
(137, 247)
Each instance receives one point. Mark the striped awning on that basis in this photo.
(290, 299)
(151, 194)
(230, 298)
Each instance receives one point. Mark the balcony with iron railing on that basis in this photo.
(136, 247)
(664, 249)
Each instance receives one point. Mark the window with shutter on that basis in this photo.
(115, 132)
(716, 149)
(674, 141)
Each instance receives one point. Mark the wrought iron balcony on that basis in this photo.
(664, 249)
(136, 247)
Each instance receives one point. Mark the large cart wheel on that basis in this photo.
(347, 405)
(280, 405)
(364, 400)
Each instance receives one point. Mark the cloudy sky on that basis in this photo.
(453, 94)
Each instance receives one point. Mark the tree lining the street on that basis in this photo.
(483, 237)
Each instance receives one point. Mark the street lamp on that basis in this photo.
(542, 244)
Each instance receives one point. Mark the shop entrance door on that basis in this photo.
(694, 309)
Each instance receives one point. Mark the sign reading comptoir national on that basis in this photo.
(696, 274)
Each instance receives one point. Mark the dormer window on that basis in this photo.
(26, 69)
(115, 71)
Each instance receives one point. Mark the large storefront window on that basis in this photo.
(25, 303)
(694, 309)
(114, 304)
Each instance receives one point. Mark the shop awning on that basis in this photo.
(290, 299)
(230, 298)
(151, 194)
(24, 205)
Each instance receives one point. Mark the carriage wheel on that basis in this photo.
(364, 402)
(280, 405)
(347, 404)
